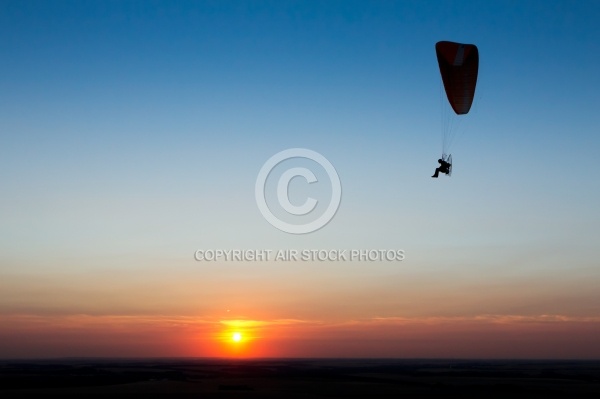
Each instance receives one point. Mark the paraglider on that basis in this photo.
(459, 65)
(445, 167)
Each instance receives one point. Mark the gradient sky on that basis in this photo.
(131, 135)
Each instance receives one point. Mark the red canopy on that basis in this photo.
(459, 64)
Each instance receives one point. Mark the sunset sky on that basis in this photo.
(132, 134)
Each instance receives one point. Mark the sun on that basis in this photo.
(236, 337)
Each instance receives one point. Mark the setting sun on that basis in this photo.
(237, 337)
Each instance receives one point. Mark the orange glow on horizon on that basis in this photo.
(237, 338)
(496, 336)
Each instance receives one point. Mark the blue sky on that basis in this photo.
(131, 134)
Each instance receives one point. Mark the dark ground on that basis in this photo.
(298, 378)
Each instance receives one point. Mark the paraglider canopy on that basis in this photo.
(459, 64)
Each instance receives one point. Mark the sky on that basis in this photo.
(132, 134)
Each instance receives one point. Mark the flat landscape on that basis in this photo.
(297, 378)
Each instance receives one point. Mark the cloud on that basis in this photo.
(263, 323)
(485, 319)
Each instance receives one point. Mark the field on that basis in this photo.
(297, 378)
